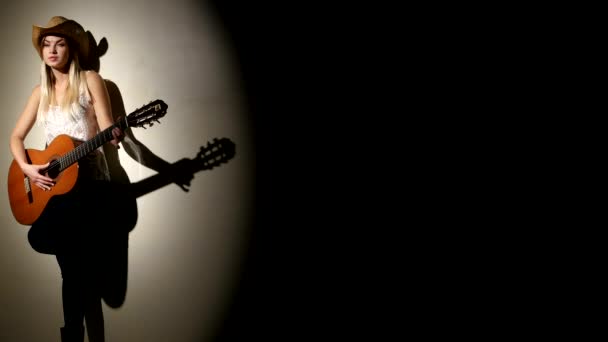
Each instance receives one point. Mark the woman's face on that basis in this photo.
(55, 52)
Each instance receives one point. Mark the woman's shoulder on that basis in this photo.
(93, 76)
(95, 82)
(36, 91)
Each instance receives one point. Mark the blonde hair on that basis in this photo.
(71, 103)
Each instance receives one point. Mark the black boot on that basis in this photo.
(72, 334)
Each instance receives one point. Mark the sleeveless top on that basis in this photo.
(55, 122)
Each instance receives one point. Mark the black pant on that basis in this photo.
(86, 232)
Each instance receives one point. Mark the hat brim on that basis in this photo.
(69, 29)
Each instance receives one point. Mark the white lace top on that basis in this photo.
(84, 128)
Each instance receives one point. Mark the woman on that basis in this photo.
(75, 102)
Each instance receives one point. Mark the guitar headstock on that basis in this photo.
(146, 114)
(216, 152)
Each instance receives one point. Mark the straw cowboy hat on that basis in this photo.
(61, 26)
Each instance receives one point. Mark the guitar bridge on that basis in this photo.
(28, 188)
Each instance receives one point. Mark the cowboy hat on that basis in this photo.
(63, 27)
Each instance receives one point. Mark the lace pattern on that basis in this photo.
(57, 122)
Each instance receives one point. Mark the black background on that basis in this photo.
(250, 29)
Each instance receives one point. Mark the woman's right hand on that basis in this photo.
(33, 173)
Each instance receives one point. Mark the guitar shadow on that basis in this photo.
(112, 262)
(113, 268)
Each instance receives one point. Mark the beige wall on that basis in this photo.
(185, 245)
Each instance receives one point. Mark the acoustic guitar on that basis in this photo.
(28, 200)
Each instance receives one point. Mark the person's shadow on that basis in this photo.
(111, 261)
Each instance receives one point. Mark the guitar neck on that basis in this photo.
(89, 146)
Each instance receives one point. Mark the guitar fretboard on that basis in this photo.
(87, 147)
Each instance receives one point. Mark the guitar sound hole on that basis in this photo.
(53, 169)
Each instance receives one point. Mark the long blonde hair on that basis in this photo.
(77, 86)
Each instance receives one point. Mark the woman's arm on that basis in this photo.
(101, 103)
(22, 128)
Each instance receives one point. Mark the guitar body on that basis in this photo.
(27, 200)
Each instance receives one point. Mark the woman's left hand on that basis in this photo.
(119, 135)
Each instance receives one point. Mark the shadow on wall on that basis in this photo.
(111, 264)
